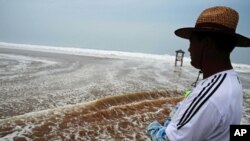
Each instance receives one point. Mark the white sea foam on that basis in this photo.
(87, 52)
(26, 58)
(243, 68)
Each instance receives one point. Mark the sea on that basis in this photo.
(66, 93)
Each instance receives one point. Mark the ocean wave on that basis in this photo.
(242, 68)
(88, 52)
(111, 118)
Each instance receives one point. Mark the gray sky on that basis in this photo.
(125, 25)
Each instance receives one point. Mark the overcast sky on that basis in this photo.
(126, 25)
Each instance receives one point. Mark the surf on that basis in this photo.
(111, 118)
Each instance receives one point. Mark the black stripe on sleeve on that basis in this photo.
(194, 102)
(204, 100)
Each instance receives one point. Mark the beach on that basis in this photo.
(52, 93)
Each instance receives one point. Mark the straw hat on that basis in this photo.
(216, 19)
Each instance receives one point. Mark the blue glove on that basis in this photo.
(156, 131)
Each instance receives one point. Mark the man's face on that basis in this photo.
(195, 49)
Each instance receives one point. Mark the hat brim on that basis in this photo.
(241, 41)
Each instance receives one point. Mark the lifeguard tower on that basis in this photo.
(179, 56)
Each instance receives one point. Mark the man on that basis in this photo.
(216, 102)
